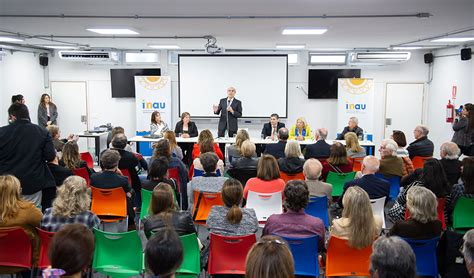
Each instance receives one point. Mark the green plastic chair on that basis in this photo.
(118, 254)
(338, 180)
(462, 215)
(146, 200)
(191, 266)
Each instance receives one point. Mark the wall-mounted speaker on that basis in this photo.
(466, 54)
(43, 60)
(428, 58)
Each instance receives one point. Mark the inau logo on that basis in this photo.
(153, 105)
(355, 106)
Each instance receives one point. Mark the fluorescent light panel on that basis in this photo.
(59, 46)
(10, 39)
(290, 46)
(304, 31)
(325, 59)
(112, 31)
(293, 59)
(463, 39)
(142, 57)
(163, 46)
(406, 47)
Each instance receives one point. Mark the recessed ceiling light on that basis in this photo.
(406, 47)
(163, 46)
(327, 58)
(464, 39)
(290, 46)
(304, 31)
(60, 46)
(10, 39)
(113, 31)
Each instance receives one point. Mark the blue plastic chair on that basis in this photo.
(425, 253)
(318, 207)
(305, 255)
(200, 173)
(394, 185)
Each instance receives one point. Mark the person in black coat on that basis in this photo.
(128, 160)
(24, 150)
(422, 146)
(278, 149)
(449, 153)
(352, 127)
(230, 109)
(320, 149)
(185, 127)
(270, 129)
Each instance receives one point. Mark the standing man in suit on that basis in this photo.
(278, 149)
(320, 149)
(270, 130)
(230, 109)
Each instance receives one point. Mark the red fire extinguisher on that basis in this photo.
(449, 112)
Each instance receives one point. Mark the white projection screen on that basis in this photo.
(261, 82)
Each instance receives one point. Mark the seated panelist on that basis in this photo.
(186, 128)
(157, 126)
(270, 129)
(300, 131)
(352, 127)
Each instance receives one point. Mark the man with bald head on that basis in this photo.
(374, 186)
(230, 109)
(312, 171)
(320, 149)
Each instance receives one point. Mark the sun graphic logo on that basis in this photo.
(153, 83)
(356, 86)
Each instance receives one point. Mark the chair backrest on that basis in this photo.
(228, 253)
(45, 239)
(173, 173)
(200, 173)
(318, 207)
(203, 202)
(242, 175)
(305, 255)
(419, 161)
(191, 263)
(462, 215)
(146, 201)
(118, 253)
(265, 204)
(343, 260)
(338, 180)
(83, 173)
(87, 157)
(191, 172)
(440, 208)
(357, 164)
(378, 208)
(109, 204)
(15, 248)
(394, 185)
(126, 173)
(425, 253)
(287, 177)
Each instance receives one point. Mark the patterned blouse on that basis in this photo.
(218, 224)
(52, 223)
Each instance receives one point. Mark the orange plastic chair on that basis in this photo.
(441, 206)
(203, 202)
(87, 157)
(15, 248)
(419, 161)
(109, 205)
(45, 238)
(82, 172)
(343, 260)
(287, 177)
(227, 253)
(126, 173)
(357, 164)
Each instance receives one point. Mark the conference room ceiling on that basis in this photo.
(351, 24)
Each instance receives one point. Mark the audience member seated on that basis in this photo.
(312, 172)
(423, 222)
(210, 182)
(337, 161)
(248, 159)
(14, 212)
(70, 252)
(392, 257)
(375, 187)
(55, 134)
(390, 164)
(300, 131)
(164, 212)
(352, 126)
(175, 149)
(206, 135)
(59, 172)
(157, 173)
(293, 161)
(463, 189)
(353, 148)
(268, 177)
(449, 153)
(111, 177)
(71, 158)
(231, 219)
(157, 126)
(234, 151)
(207, 147)
(432, 177)
(117, 130)
(127, 160)
(468, 251)
(422, 146)
(358, 223)
(268, 258)
(294, 222)
(186, 128)
(163, 254)
(70, 206)
(399, 138)
(320, 149)
(270, 129)
(278, 149)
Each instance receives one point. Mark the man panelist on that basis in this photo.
(230, 109)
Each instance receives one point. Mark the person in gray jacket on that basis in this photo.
(47, 111)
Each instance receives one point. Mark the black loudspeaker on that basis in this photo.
(466, 54)
(43, 60)
(428, 58)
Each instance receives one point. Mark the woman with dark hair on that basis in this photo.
(186, 128)
(399, 138)
(157, 126)
(463, 189)
(464, 128)
(268, 177)
(432, 176)
(18, 99)
(163, 254)
(230, 219)
(47, 111)
(337, 161)
(157, 173)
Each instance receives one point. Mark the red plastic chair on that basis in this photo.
(45, 238)
(87, 157)
(109, 205)
(15, 248)
(287, 177)
(343, 260)
(357, 164)
(227, 253)
(126, 173)
(174, 174)
(419, 161)
(191, 172)
(441, 206)
(83, 173)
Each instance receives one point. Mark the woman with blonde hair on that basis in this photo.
(206, 135)
(175, 149)
(71, 158)
(293, 161)
(234, 151)
(352, 146)
(70, 206)
(358, 223)
(300, 131)
(248, 160)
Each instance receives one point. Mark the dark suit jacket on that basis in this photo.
(452, 168)
(375, 187)
(357, 130)
(421, 147)
(24, 150)
(109, 180)
(267, 129)
(320, 149)
(192, 129)
(130, 162)
(277, 149)
(222, 109)
(60, 173)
